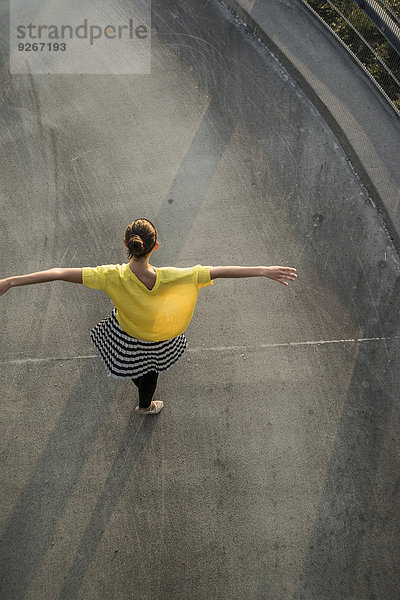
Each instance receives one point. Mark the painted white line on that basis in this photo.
(18, 361)
(288, 344)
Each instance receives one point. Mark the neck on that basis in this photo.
(141, 263)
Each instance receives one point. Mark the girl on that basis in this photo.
(152, 307)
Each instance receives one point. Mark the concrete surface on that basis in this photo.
(272, 471)
(365, 124)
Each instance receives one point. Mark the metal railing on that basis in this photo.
(370, 32)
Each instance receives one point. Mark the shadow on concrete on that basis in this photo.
(28, 533)
(179, 209)
(133, 442)
(336, 553)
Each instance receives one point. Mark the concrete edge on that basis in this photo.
(359, 169)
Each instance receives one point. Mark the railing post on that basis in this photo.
(383, 22)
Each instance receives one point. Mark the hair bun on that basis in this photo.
(136, 242)
(140, 238)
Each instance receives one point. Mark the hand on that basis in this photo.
(4, 286)
(281, 274)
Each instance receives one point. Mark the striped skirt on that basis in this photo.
(126, 356)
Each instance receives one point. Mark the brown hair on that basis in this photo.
(140, 238)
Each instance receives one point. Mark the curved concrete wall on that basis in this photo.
(364, 123)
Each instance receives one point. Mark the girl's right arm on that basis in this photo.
(281, 274)
(72, 275)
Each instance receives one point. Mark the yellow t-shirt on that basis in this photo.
(158, 314)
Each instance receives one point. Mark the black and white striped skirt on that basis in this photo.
(127, 356)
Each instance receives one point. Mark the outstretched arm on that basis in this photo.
(281, 274)
(72, 275)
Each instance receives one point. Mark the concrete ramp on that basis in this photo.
(272, 471)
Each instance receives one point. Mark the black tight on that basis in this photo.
(146, 385)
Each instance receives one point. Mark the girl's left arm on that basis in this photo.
(72, 275)
(281, 274)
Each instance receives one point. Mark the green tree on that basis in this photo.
(359, 20)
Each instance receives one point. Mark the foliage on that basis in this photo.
(359, 20)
